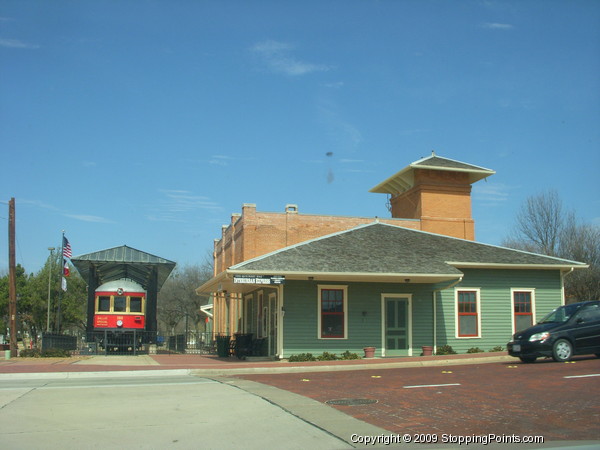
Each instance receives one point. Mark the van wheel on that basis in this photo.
(527, 359)
(562, 350)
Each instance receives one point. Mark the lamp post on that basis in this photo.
(49, 283)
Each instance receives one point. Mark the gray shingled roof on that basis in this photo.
(435, 161)
(381, 248)
(123, 262)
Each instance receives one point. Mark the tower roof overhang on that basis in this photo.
(405, 179)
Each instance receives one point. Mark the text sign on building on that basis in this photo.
(258, 279)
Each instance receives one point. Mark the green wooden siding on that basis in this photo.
(495, 304)
(301, 334)
(300, 303)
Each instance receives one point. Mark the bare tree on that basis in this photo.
(540, 222)
(178, 303)
(582, 243)
(543, 226)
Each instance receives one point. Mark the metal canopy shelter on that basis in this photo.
(124, 262)
(103, 266)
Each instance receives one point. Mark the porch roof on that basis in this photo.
(385, 253)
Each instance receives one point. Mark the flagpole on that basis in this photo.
(62, 265)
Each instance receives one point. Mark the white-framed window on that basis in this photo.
(523, 308)
(467, 313)
(332, 312)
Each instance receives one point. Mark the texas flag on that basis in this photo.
(66, 271)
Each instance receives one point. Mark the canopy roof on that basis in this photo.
(404, 180)
(124, 262)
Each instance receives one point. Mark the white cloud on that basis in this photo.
(220, 160)
(89, 218)
(334, 85)
(497, 26)
(15, 43)
(277, 56)
(491, 194)
(176, 204)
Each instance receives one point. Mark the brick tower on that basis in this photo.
(436, 191)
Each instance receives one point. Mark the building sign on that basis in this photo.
(258, 279)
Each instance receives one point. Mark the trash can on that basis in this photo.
(223, 346)
(243, 345)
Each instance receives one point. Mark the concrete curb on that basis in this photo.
(105, 374)
(248, 370)
(317, 414)
(338, 368)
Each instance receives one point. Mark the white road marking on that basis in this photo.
(584, 376)
(430, 385)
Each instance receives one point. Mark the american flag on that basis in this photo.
(67, 253)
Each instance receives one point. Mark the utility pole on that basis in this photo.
(12, 280)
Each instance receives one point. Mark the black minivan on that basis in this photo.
(568, 330)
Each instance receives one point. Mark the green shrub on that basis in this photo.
(445, 350)
(326, 356)
(348, 355)
(55, 353)
(474, 350)
(49, 353)
(30, 353)
(497, 348)
(302, 357)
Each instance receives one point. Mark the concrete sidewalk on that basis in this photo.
(212, 366)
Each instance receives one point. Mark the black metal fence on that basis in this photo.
(117, 342)
(60, 341)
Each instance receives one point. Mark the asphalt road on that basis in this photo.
(557, 401)
(182, 412)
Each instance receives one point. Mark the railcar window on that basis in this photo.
(104, 303)
(120, 304)
(135, 304)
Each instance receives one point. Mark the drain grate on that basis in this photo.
(351, 401)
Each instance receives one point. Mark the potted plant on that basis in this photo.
(369, 352)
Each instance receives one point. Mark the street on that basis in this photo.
(153, 413)
(558, 401)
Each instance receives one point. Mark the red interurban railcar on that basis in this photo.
(120, 314)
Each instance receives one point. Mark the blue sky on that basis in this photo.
(147, 123)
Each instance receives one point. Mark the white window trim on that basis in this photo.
(512, 306)
(456, 321)
(344, 288)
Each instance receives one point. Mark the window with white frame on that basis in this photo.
(468, 319)
(333, 312)
(523, 306)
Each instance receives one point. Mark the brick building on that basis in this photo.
(432, 194)
(301, 282)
